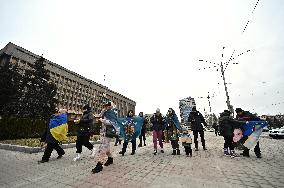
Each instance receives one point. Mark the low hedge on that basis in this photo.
(18, 128)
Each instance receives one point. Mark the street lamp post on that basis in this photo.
(223, 69)
(226, 89)
(208, 97)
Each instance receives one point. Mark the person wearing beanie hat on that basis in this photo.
(196, 120)
(239, 110)
(83, 133)
(158, 123)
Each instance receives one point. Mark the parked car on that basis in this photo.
(209, 129)
(265, 129)
(277, 133)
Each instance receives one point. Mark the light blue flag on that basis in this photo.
(130, 128)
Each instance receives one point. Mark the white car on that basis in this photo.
(277, 133)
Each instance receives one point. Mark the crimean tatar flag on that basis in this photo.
(58, 127)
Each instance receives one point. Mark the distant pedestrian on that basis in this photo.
(158, 123)
(56, 132)
(196, 119)
(143, 131)
(84, 132)
(216, 128)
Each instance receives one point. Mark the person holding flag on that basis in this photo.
(130, 129)
(249, 133)
(173, 127)
(109, 129)
(56, 132)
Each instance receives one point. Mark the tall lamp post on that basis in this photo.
(223, 68)
(208, 97)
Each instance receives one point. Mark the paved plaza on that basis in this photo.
(205, 169)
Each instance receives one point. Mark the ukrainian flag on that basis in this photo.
(58, 127)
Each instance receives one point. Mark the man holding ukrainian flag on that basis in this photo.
(56, 132)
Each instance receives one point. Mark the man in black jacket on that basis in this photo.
(83, 134)
(196, 119)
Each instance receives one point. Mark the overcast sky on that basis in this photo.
(150, 50)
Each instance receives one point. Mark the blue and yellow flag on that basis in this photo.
(249, 133)
(58, 127)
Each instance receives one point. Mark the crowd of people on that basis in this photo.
(164, 129)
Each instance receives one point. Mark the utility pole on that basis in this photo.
(208, 97)
(225, 84)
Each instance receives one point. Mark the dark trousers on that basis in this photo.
(195, 135)
(142, 136)
(117, 140)
(49, 148)
(83, 141)
(256, 150)
(175, 144)
(188, 150)
(216, 132)
(229, 142)
(125, 143)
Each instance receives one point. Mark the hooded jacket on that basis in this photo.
(227, 124)
(85, 123)
(196, 118)
(158, 122)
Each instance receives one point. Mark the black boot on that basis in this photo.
(122, 153)
(178, 152)
(174, 152)
(140, 145)
(42, 161)
(245, 153)
(155, 152)
(133, 152)
(109, 161)
(98, 168)
(123, 150)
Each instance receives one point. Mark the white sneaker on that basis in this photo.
(77, 157)
(93, 153)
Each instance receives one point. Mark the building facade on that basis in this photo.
(185, 107)
(73, 90)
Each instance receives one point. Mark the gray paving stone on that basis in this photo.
(205, 169)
